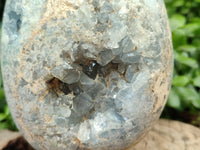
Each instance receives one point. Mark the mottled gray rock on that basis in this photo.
(86, 74)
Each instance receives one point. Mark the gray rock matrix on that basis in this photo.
(86, 74)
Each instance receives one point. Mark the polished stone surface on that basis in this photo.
(86, 74)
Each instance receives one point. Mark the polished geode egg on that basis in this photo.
(86, 74)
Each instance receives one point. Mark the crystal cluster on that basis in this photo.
(86, 74)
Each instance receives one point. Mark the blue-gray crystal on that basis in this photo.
(86, 74)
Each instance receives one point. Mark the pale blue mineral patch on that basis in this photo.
(86, 74)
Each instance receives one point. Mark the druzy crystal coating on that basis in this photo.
(86, 74)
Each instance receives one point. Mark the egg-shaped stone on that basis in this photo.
(86, 74)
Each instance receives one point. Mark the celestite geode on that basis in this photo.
(86, 74)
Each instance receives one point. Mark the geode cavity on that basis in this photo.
(86, 74)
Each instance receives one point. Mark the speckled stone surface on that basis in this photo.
(86, 74)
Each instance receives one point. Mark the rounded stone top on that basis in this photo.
(86, 74)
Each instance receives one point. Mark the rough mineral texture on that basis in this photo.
(86, 74)
(165, 135)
